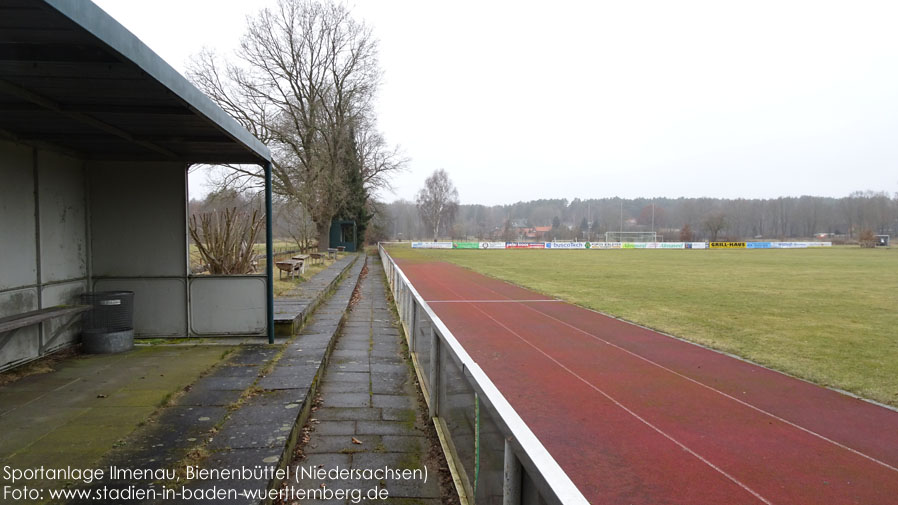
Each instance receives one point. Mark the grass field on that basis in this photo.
(826, 315)
(277, 246)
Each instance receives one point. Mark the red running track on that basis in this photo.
(637, 417)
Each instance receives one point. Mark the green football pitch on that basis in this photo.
(828, 315)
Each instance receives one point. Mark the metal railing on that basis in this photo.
(494, 455)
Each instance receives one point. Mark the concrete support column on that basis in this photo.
(511, 484)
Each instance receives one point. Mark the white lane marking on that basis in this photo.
(622, 406)
(702, 384)
(726, 395)
(489, 301)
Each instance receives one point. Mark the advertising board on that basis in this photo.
(431, 245)
(567, 245)
(727, 245)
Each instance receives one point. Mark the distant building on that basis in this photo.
(534, 233)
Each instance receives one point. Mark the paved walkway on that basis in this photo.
(368, 415)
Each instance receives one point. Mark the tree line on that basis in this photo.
(838, 219)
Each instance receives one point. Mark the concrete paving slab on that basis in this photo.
(199, 397)
(395, 401)
(387, 428)
(286, 382)
(265, 435)
(347, 413)
(358, 377)
(238, 371)
(264, 414)
(343, 444)
(343, 387)
(224, 383)
(335, 428)
(349, 400)
(398, 443)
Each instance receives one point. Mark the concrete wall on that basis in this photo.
(43, 232)
(138, 219)
(228, 305)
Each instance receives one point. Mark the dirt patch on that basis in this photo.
(357, 292)
(43, 365)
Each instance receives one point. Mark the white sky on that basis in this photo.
(524, 100)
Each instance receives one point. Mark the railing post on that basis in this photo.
(434, 373)
(511, 484)
(413, 323)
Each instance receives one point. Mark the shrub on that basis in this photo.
(866, 238)
(225, 239)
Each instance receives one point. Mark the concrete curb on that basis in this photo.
(291, 312)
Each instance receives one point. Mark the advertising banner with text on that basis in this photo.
(727, 245)
(431, 245)
(604, 245)
(492, 245)
(567, 245)
(525, 245)
(466, 245)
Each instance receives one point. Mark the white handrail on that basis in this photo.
(547, 474)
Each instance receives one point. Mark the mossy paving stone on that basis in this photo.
(336, 387)
(395, 401)
(344, 376)
(342, 444)
(238, 371)
(347, 413)
(207, 397)
(252, 436)
(387, 428)
(287, 381)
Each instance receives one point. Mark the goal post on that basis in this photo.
(631, 236)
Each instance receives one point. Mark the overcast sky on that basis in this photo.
(524, 100)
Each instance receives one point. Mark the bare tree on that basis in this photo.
(299, 224)
(305, 76)
(437, 202)
(715, 223)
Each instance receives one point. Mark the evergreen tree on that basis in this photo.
(356, 206)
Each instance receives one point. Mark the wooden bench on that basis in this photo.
(341, 248)
(332, 253)
(15, 322)
(316, 257)
(291, 266)
(9, 324)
